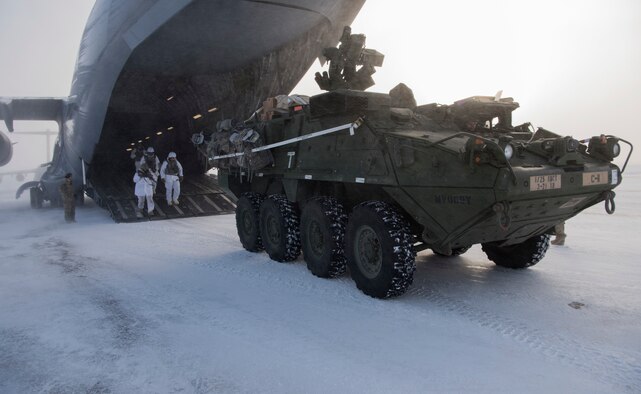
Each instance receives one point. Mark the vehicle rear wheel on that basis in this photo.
(323, 222)
(523, 255)
(279, 230)
(379, 250)
(247, 221)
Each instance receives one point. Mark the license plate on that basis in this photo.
(595, 178)
(545, 182)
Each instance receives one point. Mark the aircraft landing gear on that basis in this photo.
(35, 197)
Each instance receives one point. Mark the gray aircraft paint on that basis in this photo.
(133, 55)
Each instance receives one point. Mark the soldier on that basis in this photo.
(471, 125)
(559, 230)
(145, 182)
(68, 201)
(136, 155)
(153, 163)
(172, 173)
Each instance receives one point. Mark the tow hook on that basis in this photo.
(609, 201)
(502, 210)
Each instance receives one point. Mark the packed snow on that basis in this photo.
(179, 306)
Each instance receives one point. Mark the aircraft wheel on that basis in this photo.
(379, 250)
(322, 228)
(279, 228)
(523, 255)
(247, 221)
(35, 198)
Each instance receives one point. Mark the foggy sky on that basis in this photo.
(574, 66)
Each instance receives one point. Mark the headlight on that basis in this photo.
(615, 149)
(604, 147)
(508, 151)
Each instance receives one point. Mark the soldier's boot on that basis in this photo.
(559, 240)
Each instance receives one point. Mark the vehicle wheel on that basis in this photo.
(322, 228)
(35, 198)
(279, 228)
(523, 255)
(247, 221)
(379, 250)
(455, 251)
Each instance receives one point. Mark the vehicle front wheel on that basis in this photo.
(523, 255)
(279, 230)
(247, 221)
(322, 227)
(379, 250)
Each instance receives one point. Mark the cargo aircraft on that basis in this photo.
(155, 72)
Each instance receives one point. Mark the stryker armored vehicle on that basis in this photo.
(366, 180)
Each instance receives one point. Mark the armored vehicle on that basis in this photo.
(366, 180)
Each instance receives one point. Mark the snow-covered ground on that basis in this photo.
(179, 306)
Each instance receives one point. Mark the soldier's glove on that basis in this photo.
(180, 178)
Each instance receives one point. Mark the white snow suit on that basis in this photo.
(153, 168)
(145, 191)
(172, 173)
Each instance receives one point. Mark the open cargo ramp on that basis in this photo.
(200, 195)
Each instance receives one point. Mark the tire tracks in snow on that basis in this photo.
(622, 371)
(126, 326)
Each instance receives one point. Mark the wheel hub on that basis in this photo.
(248, 222)
(273, 231)
(316, 238)
(369, 256)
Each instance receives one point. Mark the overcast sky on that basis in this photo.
(573, 65)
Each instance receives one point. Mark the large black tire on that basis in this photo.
(322, 228)
(279, 230)
(523, 255)
(455, 251)
(248, 221)
(379, 250)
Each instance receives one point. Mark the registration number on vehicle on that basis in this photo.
(595, 178)
(545, 182)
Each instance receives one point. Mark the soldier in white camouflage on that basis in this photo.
(145, 181)
(153, 163)
(172, 173)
